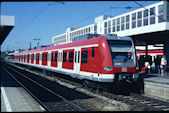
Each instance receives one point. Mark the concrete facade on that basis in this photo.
(139, 21)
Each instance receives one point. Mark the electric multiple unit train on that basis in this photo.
(98, 58)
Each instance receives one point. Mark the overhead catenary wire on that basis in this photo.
(80, 21)
(33, 18)
(148, 10)
(84, 19)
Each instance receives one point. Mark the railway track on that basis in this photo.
(50, 100)
(143, 102)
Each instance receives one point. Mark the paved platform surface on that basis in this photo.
(157, 78)
(157, 86)
(14, 98)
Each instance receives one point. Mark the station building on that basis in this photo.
(147, 25)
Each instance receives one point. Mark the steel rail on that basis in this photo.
(64, 99)
(127, 100)
(48, 110)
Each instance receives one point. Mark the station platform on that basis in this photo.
(14, 98)
(157, 86)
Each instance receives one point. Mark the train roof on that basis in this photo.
(107, 36)
(93, 39)
(66, 45)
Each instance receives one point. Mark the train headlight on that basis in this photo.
(107, 68)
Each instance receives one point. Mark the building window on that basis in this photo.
(118, 24)
(145, 20)
(134, 20)
(127, 21)
(86, 31)
(64, 56)
(95, 28)
(122, 23)
(84, 56)
(160, 14)
(105, 27)
(152, 15)
(109, 26)
(71, 56)
(139, 19)
(114, 25)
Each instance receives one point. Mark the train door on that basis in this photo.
(77, 61)
(60, 59)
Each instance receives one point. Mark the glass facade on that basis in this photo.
(139, 19)
(122, 23)
(105, 27)
(118, 24)
(160, 13)
(127, 21)
(95, 28)
(109, 26)
(145, 20)
(134, 20)
(152, 15)
(114, 27)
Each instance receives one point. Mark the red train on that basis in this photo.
(99, 58)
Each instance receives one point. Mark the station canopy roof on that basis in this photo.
(6, 25)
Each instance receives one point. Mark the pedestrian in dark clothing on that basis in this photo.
(142, 62)
(157, 63)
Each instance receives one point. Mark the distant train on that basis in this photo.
(152, 55)
(95, 58)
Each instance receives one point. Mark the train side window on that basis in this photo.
(52, 57)
(78, 56)
(92, 51)
(38, 56)
(55, 56)
(64, 56)
(46, 56)
(84, 56)
(71, 56)
(28, 57)
(32, 56)
(42, 56)
(75, 55)
(59, 57)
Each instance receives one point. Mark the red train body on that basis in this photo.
(104, 58)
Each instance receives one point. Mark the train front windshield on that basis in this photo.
(122, 52)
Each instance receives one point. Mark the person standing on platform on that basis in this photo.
(163, 64)
(142, 62)
(157, 63)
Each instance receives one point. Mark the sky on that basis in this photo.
(46, 19)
